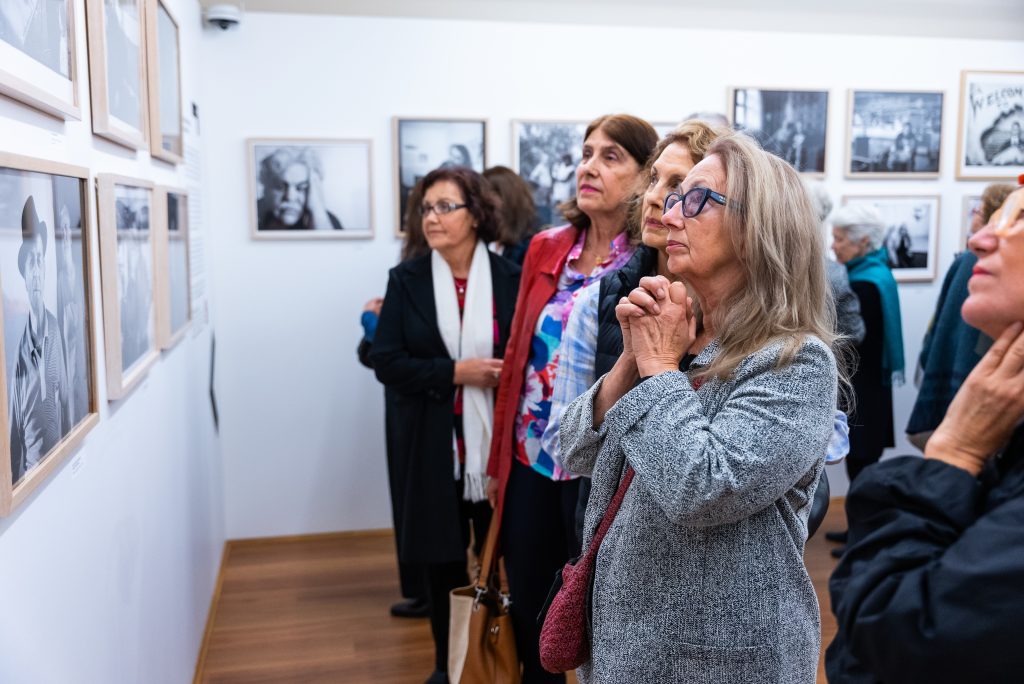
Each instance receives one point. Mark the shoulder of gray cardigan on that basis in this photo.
(720, 453)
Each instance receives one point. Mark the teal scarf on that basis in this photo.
(874, 268)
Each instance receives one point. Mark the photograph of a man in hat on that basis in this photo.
(38, 408)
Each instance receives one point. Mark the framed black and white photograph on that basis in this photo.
(893, 134)
(174, 301)
(310, 188)
(792, 124)
(127, 268)
(970, 208)
(163, 67)
(423, 144)
(117, 74)
(47, 380)
(990, 142)
(911, 233)
(545, 154)
(37, 55)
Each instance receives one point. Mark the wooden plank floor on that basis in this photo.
(316, 610)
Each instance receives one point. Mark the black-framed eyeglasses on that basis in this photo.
(441, 208)
(694, 200)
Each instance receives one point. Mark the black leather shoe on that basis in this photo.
(411, 608)
(837, 537)
(838, 551)
(437, 678)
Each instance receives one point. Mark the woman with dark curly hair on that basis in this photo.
(438, 345)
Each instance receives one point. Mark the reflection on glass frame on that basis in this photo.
(48, 389)
(971, 206)
(304, 188)
(163, 66)
(37, 56)
(424, 144)
(127, 272)
(912, 233)
(170, 232)
(893, 134)
(117, 73)
(990, 137)
(545, 154)
(791, 124)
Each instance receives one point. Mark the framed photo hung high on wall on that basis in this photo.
(37, 55)
(170, 235)
(117, 73)
(792, 124)
(911, 233)
(990, 141)
(305, 188)
(893, 134)
(424, 144)
(127, 270)
(163, 66)
(48, 388)
(545, 154)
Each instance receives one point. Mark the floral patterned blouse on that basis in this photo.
(538, 387)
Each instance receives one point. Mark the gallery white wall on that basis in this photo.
(302, 421)
(107, 570)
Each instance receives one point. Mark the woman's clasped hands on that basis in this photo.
(659, 325)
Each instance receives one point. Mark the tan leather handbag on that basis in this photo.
(481, 644)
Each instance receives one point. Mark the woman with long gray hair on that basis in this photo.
(717, 433)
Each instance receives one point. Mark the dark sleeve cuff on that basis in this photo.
(921, 487)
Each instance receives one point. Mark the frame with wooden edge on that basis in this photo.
(172, 148)
(28, 80)
(13, 494)
(104, 122)
(121, 380)
(164, 241)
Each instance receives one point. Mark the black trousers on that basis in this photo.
(538, 536)
(441, 578)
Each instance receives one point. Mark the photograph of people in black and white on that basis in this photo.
(911, 233)
(39, 28)
(49, 379)
(789, 123)
(424, 145)
(134, 272)
(312, 186)
(122, 23)
(547, 155)
(991, 144)
(895, 132)
(177, 255)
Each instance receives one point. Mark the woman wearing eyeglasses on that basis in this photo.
(719, 432)
(438, 345)
(534, 497)
(593, 337)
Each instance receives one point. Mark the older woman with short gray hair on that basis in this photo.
(858, 234)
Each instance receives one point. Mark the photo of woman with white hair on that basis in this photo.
(858, 235)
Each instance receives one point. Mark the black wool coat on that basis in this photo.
(409, 357)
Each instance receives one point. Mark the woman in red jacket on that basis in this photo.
(535, 497)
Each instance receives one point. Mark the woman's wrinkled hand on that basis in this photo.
(986, 409)
(662, 335)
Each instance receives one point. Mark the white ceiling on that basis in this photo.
(984, 19)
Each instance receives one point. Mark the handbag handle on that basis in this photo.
(483, 580)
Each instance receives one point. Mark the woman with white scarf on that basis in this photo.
(439, 342)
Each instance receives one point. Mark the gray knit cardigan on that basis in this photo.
(701, 577)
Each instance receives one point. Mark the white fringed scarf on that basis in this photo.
(470, 338)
